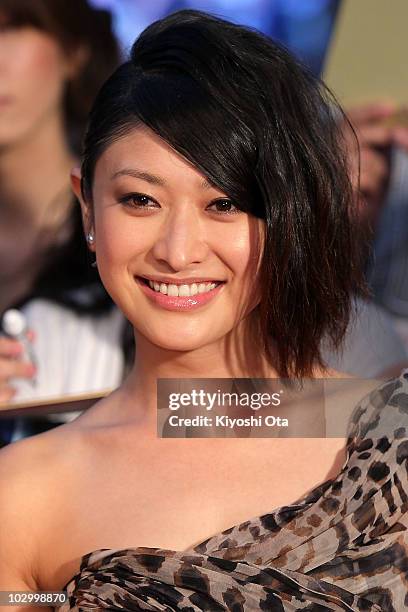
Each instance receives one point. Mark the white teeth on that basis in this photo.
(172, 290)
(181, 290)
(184, 291)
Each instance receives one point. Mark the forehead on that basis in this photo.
(143, 149)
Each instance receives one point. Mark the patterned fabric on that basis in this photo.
(341, 547)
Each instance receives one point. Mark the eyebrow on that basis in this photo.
(153, 179)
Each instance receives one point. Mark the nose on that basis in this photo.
(182, 239)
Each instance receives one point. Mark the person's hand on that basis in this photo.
(11, 366)
(375, 138)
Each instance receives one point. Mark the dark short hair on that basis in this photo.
(265, 131)
(73, 23)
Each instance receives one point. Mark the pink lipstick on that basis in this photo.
(178, 303)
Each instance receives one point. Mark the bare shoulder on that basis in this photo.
(28, 462)
(32, 471)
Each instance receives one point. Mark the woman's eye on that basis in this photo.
(224, 206)
(138, 200)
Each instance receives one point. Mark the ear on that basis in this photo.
(86, 207)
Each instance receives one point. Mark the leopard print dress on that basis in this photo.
(342, 547)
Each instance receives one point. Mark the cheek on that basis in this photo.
(241, 250)
(245, 254)
(112, 256)
(238, 246)
(39, 71)
(119, 240)
(33, 75)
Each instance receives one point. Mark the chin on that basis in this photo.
(182, 343)
(180, 338)
(7, 137)
(13, 129)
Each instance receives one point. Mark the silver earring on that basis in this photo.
(90, 240)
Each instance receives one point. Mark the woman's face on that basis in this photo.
(33, 72)
(157, 221)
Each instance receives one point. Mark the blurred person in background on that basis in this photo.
(374, 345)
(382, 166)
(54, 55)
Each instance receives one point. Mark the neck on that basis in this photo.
(236, 355)
(33, 171)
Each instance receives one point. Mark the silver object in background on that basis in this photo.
(14, 325)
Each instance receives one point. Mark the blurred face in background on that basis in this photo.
(33, 73)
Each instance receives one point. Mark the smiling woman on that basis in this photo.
(216, 198)
(258, 142)
(165, 223)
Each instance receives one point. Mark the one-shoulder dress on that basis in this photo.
(344, 546)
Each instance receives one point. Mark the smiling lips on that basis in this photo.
(181, 296)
